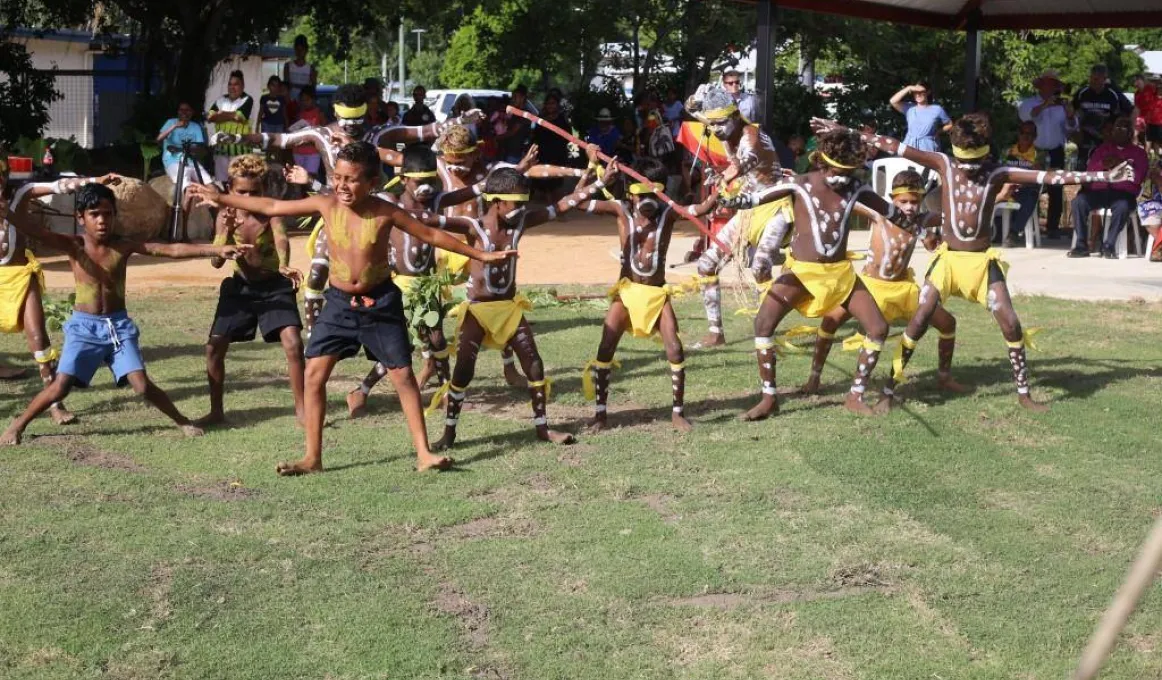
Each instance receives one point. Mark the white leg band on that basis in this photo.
(600, 408)
(770, 391)
(717, 330)
(451, 422)
(540, 421)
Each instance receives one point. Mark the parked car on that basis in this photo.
(441, 101)
(325, 100)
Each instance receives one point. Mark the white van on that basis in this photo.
(441, 101)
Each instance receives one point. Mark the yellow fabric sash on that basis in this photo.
(498, 318)
(547, 383)
(964, 274)
(15, 281)
(758, 218)
(587, 386)
(644, 304)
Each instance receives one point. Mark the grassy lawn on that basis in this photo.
(956, 538)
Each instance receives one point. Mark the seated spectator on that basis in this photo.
(1120, 197)
(605, 134)
(1024, 155)
(674, 110)
(1150, 212)
(391, 113)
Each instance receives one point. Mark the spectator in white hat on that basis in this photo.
(604, 134)
(1053, 113)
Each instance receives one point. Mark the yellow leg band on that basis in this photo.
(905, 341)
(547, 383)
(587, 386)
(442, 354)
(678, 367)
(872, 345)
(825, 335)
(1020, 344)
(854, 342)
(47, 356)
(948, 336)
(898, 360)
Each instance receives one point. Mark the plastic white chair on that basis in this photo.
(1132, 223)
(1032, 228)
(884, 170)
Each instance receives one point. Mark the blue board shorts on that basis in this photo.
(95, 339)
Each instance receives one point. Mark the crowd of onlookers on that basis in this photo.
(1093, 129)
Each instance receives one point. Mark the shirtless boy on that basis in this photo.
(641, 300)
(965, 265)
(261, 293)
(364, 308)
(100, 330)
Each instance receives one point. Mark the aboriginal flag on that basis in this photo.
(698, 141)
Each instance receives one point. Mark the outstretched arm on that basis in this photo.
(261, 205)
(20, 208)
(706, 206)
(439, 239)
(183, 251)
(1122, 172)
(278, 140)
(888, 145)
(585, 192)
(452, 225)
(403, 134)
(225, 223)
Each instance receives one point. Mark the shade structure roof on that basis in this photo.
(993, 14)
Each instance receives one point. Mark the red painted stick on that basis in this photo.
(682, 210)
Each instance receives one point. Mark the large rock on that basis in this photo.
(141, 213)
(200, 226)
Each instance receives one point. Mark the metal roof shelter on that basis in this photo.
(970, 16)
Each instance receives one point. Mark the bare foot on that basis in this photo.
(303, 467)
(429, 461)
(858, 406)
(444, 443)
(356, 403)
(597, 424)
(12, 372)
(211, 419)
(61, 415)
(946, 383)
(811, 386)
(513, 377)
(767, 407)
(191, 430)
(710, 340)
(1027, 402)
(680, 423)
(557, 437)
(10, 437)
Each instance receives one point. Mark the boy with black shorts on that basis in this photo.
(260, 294)
(363, 307)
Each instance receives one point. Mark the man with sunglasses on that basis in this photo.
(746, 102)
(1119, 197)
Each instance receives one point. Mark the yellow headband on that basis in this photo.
(638, 188)
(421, 175)
(970, 154)
(836, 164)
(350, 111)
(460, 152)
(900, 191)
(724, 112)
(505, 197)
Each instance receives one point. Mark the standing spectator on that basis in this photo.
(511, 142)
(462, 105)
(391, 111)
(419, 113)
(298, 73)
(1097, 104)
(1120, 197)
(673, 110)
(552, 148)
(626, 148)
(798, 146)
(310, 115)
(1149, 108)
(230, 115)
(1055, 119)
(174, 133)
(272, 108)
(604, 134)
(376, 108)
(925, 119)
(1025, 155)
(746, 102)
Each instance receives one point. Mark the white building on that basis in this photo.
(99, 79)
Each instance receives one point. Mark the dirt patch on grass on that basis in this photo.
(858, 576)
(493, 527)
(662, 504)
(81, 452)
(475, 624)
(1143, 644)
(158, 590)
(51, 656)
(226, 491)
(756, 598)
(145, 665)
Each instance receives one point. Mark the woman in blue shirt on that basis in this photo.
(172, 135)
(925, 119)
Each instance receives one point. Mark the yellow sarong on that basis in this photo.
(499, 318)
(644, 304)
(828, 284)
(455, 263)
(760, 216)
(14, 283)
(897, 300)
(964, 274)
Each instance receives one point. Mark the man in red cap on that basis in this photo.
(1053, 113)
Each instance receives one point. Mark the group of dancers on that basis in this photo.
(372, 246)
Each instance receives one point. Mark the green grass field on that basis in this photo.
(956, 538)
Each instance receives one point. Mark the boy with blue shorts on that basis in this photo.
(100, 331)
